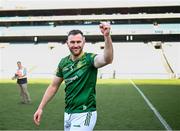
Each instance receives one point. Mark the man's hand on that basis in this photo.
(105, 28)
(107, 56)
(37, 116)
(14, 77)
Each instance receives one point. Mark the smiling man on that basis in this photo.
(79, 71)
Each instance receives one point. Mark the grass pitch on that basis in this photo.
(119, 105)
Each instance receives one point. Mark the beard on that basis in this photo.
(76, 51)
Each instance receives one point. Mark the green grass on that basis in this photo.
(165, 97)
(119, 105)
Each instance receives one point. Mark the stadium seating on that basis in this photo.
(131, 60)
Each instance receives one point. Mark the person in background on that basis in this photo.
(21, 76)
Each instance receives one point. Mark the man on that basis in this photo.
(21, 75)
(79, 71)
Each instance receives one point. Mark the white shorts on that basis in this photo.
(80, 121)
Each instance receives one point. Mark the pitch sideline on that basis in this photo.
(158, 115)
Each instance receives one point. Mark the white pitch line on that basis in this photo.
(158, 115)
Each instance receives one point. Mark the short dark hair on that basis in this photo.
(75, 32)
(18, 62)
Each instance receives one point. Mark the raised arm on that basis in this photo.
(107, 56)
(50, 92)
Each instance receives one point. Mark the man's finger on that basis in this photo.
(101, 25)
(104, 26)
(39, 119)
(36, 119)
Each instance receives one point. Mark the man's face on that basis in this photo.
(76, 44)
(19, 65)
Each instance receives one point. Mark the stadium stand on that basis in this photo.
(146, 35)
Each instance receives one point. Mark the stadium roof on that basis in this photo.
(90, 17)
(50, 20)
(6, 5)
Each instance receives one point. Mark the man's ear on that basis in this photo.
(84, 40)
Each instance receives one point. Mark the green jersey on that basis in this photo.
(80, 80)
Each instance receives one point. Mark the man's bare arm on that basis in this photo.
(107, 56)
(50, 92)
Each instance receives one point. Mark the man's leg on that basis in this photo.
(21, 93)
(83, 121)
(26, 93)
(67, 121)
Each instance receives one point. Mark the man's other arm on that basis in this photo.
(107, 56)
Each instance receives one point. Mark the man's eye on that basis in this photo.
(72, 42)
